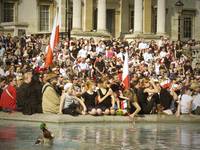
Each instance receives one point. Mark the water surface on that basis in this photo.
(21, 136)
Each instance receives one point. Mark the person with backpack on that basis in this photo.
(50, 97)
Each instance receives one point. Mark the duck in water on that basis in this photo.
(47, 137)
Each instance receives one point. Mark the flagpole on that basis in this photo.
(125, 74)
(54, 39)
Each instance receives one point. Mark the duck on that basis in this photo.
(47, 137)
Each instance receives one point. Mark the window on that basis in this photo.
(44, 18)
(95, 19)
(8, 12)
(131, 24)
(187, 27)
(187, 24)
(154, 20)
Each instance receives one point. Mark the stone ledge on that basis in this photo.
(53, 118)
(13, 24)
(78, 33)
(145, 36)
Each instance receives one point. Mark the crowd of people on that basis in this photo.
(86, 77)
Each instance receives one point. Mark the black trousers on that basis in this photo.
(70, 111)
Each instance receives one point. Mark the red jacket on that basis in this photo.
(8, 98)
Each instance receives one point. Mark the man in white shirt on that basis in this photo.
(100, 48)
(147, 56)
(83, 52)
(143, 45)
(161, 42)
(186, 101)
(83, 65)
(196, 99)
(163, 53)
(2, 50)
(121, 54)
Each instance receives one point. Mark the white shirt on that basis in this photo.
(2, 72)
(99, 50)
(82, 53)
(185, 103)
(143, 45)
(163, 54)
(120, 55)
(196, 101)
(160, 43)
(2, 50)
(147, 56)
(83, 66)
(63, 72)
(157, 68)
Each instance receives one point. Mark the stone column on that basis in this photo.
(62, 6)
(147, 16)
(161, 12)
(1, 12)
(15, 19)
(77, 23)
(101, 14)
(124, 15)
(88, 15)
(138, 17)
(117, 23)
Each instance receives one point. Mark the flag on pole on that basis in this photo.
(58, 24)
(54, 39)
(125, 74)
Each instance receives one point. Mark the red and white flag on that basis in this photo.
(58, 23)
(125, 74)
(54, 39)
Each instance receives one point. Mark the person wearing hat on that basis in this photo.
(50, 98)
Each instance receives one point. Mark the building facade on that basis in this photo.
(116, 18)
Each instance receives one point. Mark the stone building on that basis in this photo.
(116, 18)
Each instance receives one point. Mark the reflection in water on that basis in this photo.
(8, 133)
(20, 135)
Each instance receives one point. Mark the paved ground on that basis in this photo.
(90, 119)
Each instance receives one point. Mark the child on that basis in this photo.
(132, 99)
(70, 104)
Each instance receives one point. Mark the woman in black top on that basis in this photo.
(106, 99)
(89, 98)
(146, 94)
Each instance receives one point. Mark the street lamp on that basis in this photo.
(179, 7)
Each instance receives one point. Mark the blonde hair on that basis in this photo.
(88, 85)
